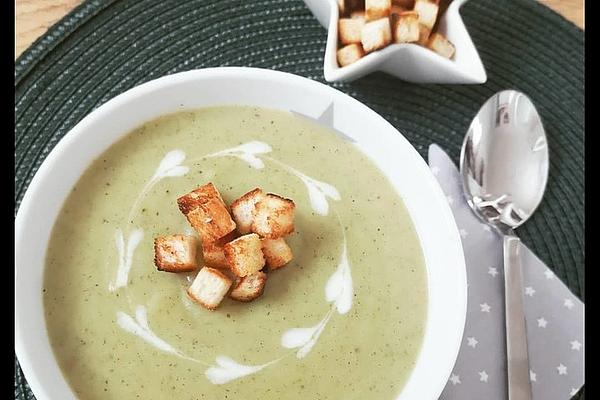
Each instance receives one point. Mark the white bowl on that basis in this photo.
(410, 62)
(392, 153)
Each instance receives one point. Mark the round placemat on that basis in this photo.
(103, 48)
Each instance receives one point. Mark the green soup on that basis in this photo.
(120, 329)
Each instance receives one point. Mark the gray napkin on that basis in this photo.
(554, 316)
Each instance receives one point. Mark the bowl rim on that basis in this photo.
(454, 258)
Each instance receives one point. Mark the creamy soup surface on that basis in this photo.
(120, 329)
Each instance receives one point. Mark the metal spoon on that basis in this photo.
(504, 166)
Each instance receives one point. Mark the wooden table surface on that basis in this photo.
(34, 17)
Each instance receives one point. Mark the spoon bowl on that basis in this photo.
(504, 160)
(504, 167)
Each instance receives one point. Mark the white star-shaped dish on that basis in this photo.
(410, 62)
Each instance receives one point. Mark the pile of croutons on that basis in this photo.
(236, 251)
(369, 25)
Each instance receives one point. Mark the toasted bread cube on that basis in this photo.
(207, 213)
(424, 33)
(376, 35)
(277, 253)
(428, 11)
(341, 6)
(376, 9)
(175, 253)
(349, 30)
(349, 54)
(244, 255)
(249, 287)
(243, 208)
(273, 217)
(209, 287)
(214, 252)
(405, 27)
(438, 43)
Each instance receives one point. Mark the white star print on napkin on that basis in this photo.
(554, 316)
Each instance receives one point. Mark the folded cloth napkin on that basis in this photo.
(554, 316)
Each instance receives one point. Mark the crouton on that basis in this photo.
(277, 253)
(249, 287)
(273, 216)
(406, 4)
(214, 253)
(424, 33)
(198, 196)
(428, 11)
(242, 209)
(209, 287)
(376, 35)
(207, 213)
(244, 255)
(405, 27)
(376, 9)
(349, 30)
(349, 54)
(438, 43)
(341, 6)
(175, 253)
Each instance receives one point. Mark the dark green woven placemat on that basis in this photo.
(103, 48)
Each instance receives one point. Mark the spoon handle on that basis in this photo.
(519, 385)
